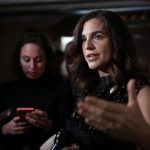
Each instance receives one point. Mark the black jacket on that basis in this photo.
(51, 95)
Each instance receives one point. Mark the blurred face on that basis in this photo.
(32, 60)
(96, 44)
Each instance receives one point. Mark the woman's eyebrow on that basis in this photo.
(95, 32)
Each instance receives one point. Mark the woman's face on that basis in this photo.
(32, 60)
(96, 44)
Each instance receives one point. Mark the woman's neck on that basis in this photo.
(102, 73)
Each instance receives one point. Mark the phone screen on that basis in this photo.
(21, 112)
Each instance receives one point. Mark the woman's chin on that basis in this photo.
(32, 77)
(93, 67)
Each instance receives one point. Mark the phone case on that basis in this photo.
(21, 112)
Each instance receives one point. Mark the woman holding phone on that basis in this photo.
(37, 87)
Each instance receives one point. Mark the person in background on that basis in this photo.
(37, 86)
(102, 60)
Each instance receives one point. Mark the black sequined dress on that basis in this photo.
(88, 138)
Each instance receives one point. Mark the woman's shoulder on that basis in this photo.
(141, 82)
(8, 83)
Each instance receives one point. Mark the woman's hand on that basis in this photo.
(39, 118)
(125, 122)
(15, 126)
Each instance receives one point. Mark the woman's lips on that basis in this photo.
(32, 73)
(92, 57)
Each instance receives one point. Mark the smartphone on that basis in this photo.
(21, 112)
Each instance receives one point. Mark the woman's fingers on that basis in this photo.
(131, 92)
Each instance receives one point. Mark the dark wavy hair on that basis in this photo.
(123, 64)
(36, 39)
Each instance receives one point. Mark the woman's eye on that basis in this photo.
(26, 59)
(83, 39)
(98, 36)
(39, 59)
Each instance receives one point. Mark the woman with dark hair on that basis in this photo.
(102, 61)
(39, 87)
(38, 40)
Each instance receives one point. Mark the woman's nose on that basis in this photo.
(89, 45)
(32, 64)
